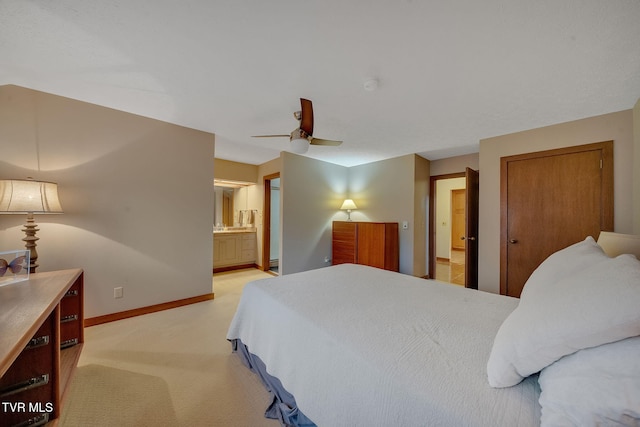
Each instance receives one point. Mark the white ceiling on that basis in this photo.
(450, 72)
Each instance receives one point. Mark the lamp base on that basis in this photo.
(30, 229)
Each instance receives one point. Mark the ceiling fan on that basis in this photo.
(302, 136)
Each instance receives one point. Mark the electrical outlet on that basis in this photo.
(118, 292)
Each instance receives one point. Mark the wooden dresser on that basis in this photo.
(41, 336)
(367, 243)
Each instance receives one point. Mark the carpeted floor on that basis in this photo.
(172, 368)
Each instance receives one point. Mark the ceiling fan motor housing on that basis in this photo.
(299, 134)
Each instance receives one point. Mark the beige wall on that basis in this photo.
(311, 192)
(235, 171)
(615, 126)
(137, 195)
(455, 164)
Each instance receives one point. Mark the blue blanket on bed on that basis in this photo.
(283, 405)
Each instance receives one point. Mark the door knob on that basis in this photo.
(513, 241)
(467, 238)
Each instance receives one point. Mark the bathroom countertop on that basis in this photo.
(235, 230)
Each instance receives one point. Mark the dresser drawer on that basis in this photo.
(343, 246)
(343, 253)
(69, 333)
(36, 359)
(27, 389)
(70, 303)
(70, 317)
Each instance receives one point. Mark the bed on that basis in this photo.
(351, 345)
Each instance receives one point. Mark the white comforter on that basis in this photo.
(360, 346)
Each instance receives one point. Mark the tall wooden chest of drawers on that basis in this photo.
(41, 336)
(367, 243)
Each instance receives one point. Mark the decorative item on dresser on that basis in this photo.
(368, 243)
(14, 266)
(41, 336)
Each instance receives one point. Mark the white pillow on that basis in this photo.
(593, 387)
(597, 305)
(565, 263)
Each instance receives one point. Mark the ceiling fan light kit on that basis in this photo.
(302, 136)
(300, 145)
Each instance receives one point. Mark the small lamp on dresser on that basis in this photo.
(348, 205)
(27, 196)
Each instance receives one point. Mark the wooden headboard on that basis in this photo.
(615, 244)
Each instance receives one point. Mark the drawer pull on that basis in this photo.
(69, 318)
(38, 342)
(69, 343)
(25, 385)
(38, 420)
(71, 293)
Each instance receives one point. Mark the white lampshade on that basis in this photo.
(348, 204)
(18, 196)
(300, 145)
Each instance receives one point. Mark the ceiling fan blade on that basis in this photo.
(320, 141)
(271, 136)
(306, 121)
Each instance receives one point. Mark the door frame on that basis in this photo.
(471, 257)
(432, 218)
(266, 220)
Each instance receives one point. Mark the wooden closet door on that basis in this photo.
(551, 200)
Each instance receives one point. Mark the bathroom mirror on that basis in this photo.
(223, 206)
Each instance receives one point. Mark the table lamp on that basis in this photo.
(348, 205)
(28, 196)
